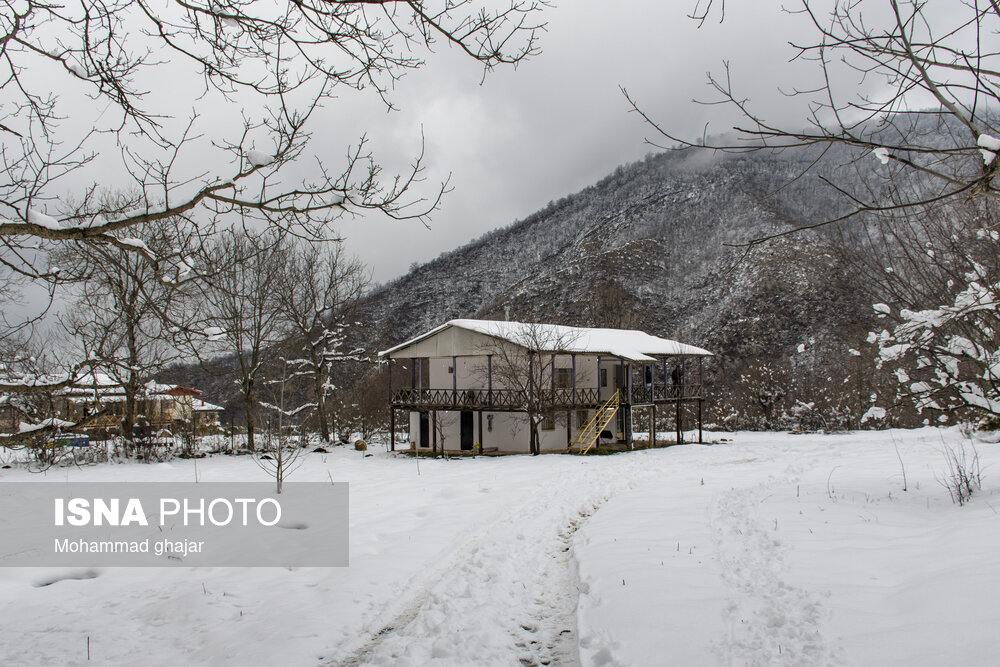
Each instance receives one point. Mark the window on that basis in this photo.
(564, 378)
(604, 377)
(582, 417)
(549, 423)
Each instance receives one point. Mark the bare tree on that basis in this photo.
(936, 276)
(241, 314)
(322, 287)
(279, 455)
(522, 363)
(120, 317)
(204, 108)
(921, 110)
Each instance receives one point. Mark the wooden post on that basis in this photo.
(573, 357)
(420, 378)
(489, 380)
(652, 424)
(627, 370)
(569, 428)
(531, 378)
(392, 428)
(390, 379)
(480, 431)
(454, 380)
(552, 373)
(434, 431)
(701, 395)
(598, 378)
(666, 392)
(677, 420)
(700, 439)
(413, 373)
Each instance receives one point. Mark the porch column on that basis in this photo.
(434, 431)
(392, 428)
(652, 424)
(531, 376)
(480, 431)
(701, 395)
(420, 378)
(413, 373)
(573, 358)
(552, 372)
(700, 438)
(627, 370)
(390, 380)
(454, 380)
(677, 420)
(598, 378)
(489, 380)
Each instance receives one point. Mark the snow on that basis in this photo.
(989, 142)
(42, 220)
(258, 158)
(767, 549)
(215, 333)
(988, 146)
(199, 405)
(882, 308)
(53, 422)
(873, 413)
(881, 154)
(138, 244)
(628, 344)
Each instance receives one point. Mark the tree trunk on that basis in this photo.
(324, 423)
(250, 416)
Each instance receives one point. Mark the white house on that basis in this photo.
(476, 382)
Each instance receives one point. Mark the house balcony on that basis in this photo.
(500, 400)
(647, 395)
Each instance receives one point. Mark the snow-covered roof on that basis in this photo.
(625, 343)
(203, 406)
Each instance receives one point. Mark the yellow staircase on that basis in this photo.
(588, 435)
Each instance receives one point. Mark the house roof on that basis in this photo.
(111, 390)
(203, 406)
(625, 343)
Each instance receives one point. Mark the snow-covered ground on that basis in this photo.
(767, 549)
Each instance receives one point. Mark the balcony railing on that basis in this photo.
(513, 399)
(644, 394)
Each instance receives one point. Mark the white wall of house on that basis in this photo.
(503, 431)
(473, 372)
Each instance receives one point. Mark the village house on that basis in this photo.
(472, 385)
(160, 408)
(12, 414)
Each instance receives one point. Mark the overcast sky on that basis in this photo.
(559, 122)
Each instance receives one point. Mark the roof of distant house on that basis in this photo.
(203, 406)
(625, 343)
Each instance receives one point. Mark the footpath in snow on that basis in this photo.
(768, 549)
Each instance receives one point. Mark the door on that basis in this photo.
(425, 430)
(467, 436)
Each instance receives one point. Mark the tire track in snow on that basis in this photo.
(770, 621)
(510, 594)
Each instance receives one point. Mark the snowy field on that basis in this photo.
(769, 549)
